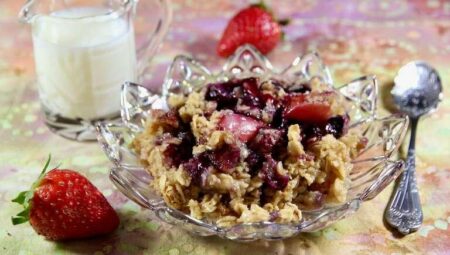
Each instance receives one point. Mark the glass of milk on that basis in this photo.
(84, 50)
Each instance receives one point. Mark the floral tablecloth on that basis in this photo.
(354, 38)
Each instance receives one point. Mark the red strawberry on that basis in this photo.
(308, 108)
(245, 128)
(254, 25)
(63, 204)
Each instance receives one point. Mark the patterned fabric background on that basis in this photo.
(354, 38)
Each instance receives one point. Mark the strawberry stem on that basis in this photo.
(24, 197)
(283, 22)
(261, 5)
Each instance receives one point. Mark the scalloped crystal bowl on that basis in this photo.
(373, 169)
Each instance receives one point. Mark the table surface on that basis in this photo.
(354, 38)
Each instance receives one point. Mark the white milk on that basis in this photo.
(81, 63)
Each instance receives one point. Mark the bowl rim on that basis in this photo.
(351, 205)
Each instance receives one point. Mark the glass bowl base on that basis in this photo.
(75, 129)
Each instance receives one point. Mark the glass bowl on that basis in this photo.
(373, 169)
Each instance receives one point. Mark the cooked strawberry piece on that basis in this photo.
(308, 109)
(245, 128)
(309, 112)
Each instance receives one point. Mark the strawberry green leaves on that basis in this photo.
(24, 197)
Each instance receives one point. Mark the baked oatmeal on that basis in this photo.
(248, 150)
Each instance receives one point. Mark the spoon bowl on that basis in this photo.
(417, 90)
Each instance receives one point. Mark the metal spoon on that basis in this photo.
(417, 91)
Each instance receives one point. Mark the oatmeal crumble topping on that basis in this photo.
(248, 151)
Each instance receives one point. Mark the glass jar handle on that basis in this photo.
(146, 52)
(25, 13)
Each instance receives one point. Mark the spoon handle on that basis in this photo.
(404, 211)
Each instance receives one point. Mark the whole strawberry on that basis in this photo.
(254, 25)
(63, 204)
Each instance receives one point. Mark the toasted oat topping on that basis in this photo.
(247, 151)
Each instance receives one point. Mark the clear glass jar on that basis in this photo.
(84, 51)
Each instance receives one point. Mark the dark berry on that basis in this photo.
(268, 98)
(175, 154)
(187, 138)
(225, 198)
(254, 161)
(337, 126)
(280, 148)
(169, 121)
(163, 138)
(225, 158)
(278, 83)
(300, 88)
(318, 199)
(249, 111)
(172, 155)
(178, 153)
(271, 176)
(197, 168)
(272, 105)
(265, 140)
(278, 121)
(274, 215)
(251, 102)
(251, 94)
(223, 93)
(323, 187)
(312, 133)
